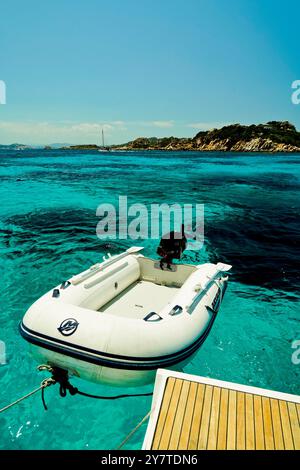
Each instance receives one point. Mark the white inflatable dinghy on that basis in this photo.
(122, 319)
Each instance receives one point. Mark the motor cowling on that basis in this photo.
(172, 246)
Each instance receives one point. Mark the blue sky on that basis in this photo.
(144, 67)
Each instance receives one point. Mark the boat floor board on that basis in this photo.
(192, 412)
(139, 299)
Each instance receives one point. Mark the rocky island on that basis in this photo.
(274, 136)
(14, 147)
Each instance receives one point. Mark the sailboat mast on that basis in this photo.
(102, 138)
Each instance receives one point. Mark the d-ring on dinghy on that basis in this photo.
(122, 319)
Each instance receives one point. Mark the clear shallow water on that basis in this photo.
(47, 233)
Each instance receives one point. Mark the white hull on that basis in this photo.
(121, 320)
(99, 374)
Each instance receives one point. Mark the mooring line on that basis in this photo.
(134, 430)
(44, 384)
(61, 377)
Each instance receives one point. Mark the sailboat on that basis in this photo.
(103, 148)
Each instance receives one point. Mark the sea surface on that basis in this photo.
(48, 232)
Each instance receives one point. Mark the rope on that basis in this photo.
(115, 397)
(134, 430)
(44, 384)
(61, 377)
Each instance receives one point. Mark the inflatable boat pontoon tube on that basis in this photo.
(122, 319)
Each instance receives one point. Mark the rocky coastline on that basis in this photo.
(274, 136)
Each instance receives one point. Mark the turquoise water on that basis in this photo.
(47, 233)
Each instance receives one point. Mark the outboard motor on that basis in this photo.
(171, 246)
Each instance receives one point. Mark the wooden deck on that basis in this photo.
(191, 412)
